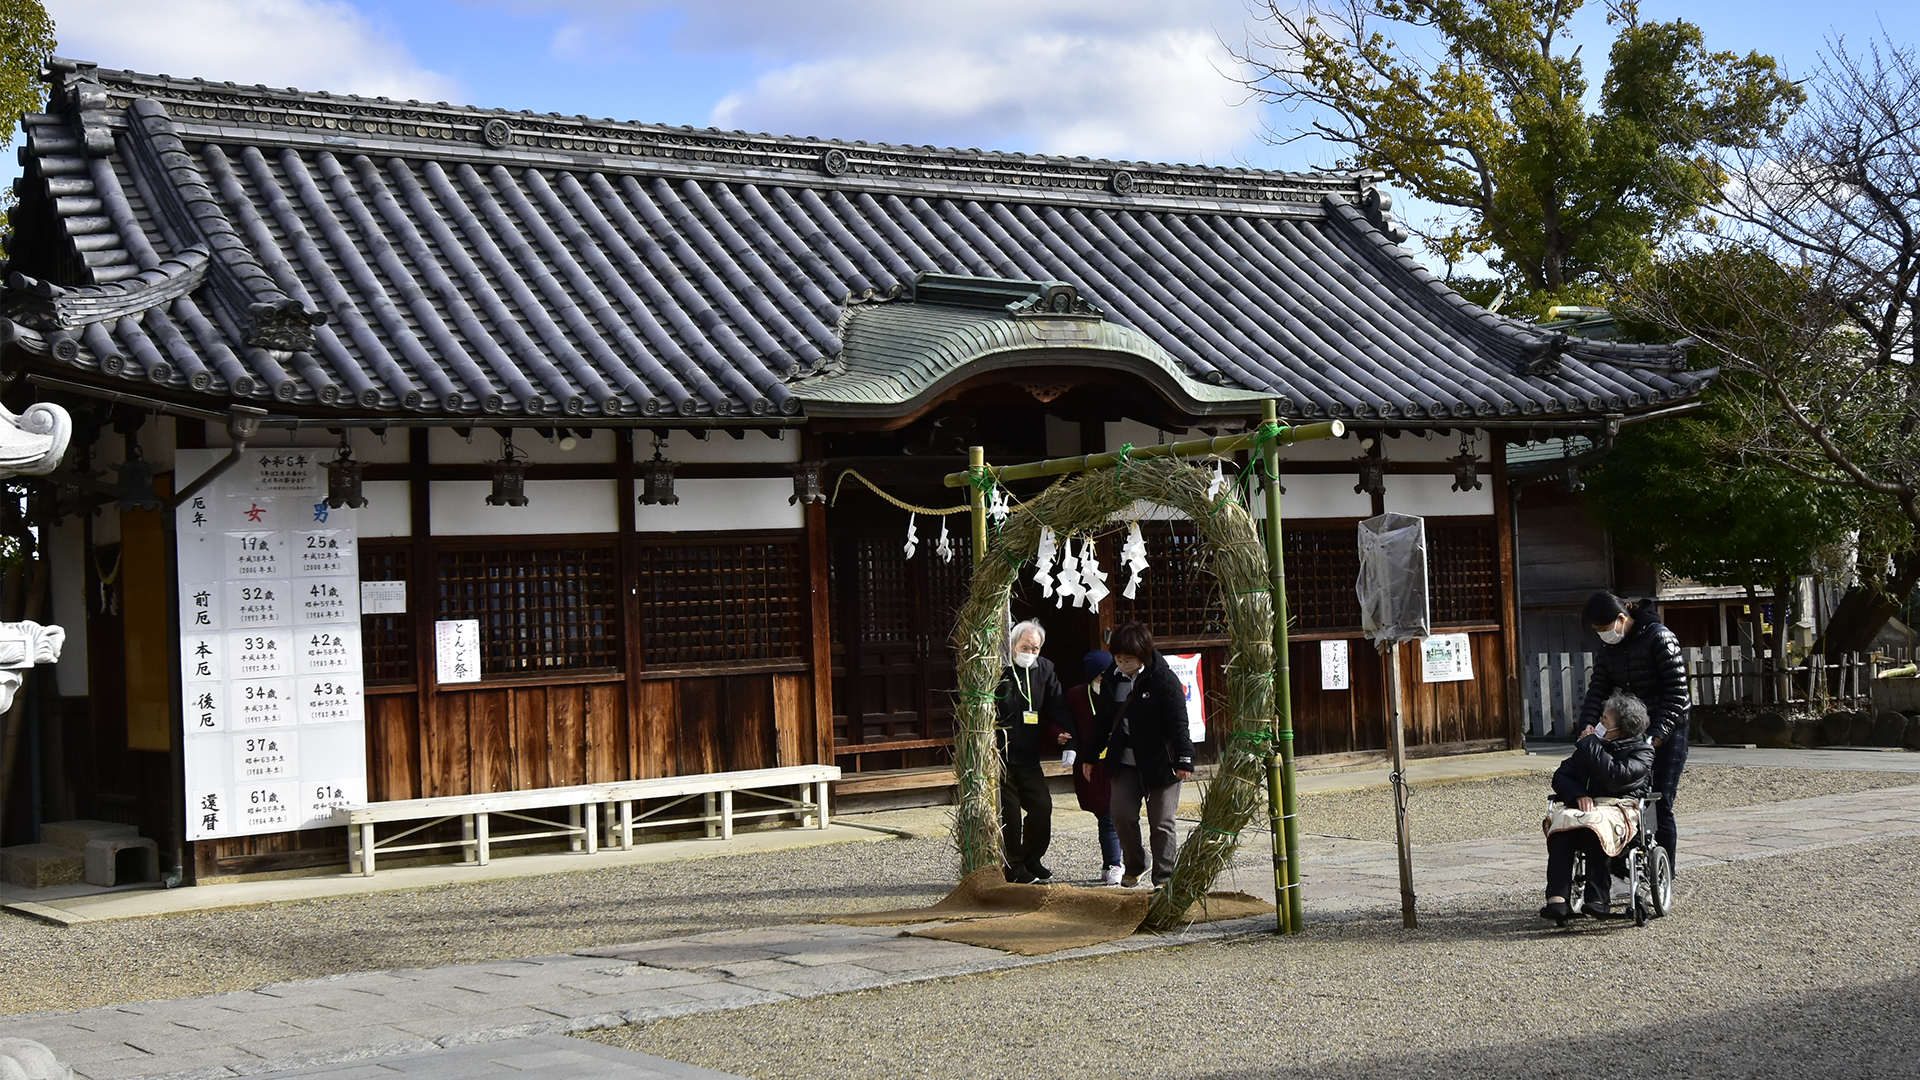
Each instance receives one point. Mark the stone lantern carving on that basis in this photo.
(31, 444)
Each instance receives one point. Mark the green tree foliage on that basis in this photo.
(26, 40)
(1480, 105)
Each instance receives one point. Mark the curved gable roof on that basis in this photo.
(475, 263)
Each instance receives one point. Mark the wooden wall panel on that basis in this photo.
(748, 722)
(393, 746)
(604, 732)
(795, 738)
(448, 747)
(656, 729)
(700, 737)
(566, 736)
(490, 735)
(529, 748)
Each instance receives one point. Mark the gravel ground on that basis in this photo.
(1798, 966)
(50, 967)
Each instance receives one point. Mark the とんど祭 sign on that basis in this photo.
(275, 731)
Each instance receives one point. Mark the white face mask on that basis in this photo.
(1026, 659)
(1612, 636)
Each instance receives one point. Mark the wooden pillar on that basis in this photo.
(422, 599)
(1509, 590)
(820, 611)
(630, 636)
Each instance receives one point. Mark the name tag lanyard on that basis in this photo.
(1024, 683)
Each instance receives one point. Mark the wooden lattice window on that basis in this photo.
(541, 607)
(1322, 568)
(722, 601)
(1178, 597)
(1463, 583)
(386, 640)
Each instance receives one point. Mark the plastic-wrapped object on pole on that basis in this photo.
(1393, 578)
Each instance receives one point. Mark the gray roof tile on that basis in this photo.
(591, 267)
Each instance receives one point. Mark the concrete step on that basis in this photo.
(79, 833)
(41, 866)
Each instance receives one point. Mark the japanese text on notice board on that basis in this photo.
(275, 731)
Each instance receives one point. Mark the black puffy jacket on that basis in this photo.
(1156, 724)
(1601, 768)
(1647, 664)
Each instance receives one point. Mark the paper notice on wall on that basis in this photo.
(383, 598)
(457, 650)
(1446, 658)
(1186, 667)
(1334, 672)
(275, 728)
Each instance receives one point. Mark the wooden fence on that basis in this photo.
(1716, 675)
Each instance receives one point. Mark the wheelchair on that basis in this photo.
(1643, 866)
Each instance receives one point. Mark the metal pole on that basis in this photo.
(976, 464)
(1408, 918)
(1286, 838)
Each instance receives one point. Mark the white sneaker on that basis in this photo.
(1111, 875)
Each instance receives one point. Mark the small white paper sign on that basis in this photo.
(1446, 658)
(1186, 668)
(383, 598)
(457, 650)
(1334, 671)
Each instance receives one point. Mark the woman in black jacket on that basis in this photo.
(1140, 735)
(1642, 657)
(1611, 759)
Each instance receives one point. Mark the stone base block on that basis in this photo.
(41, 866)
(119, 859)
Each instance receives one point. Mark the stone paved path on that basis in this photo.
(377, 1017)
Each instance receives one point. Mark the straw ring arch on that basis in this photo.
(1237, 560)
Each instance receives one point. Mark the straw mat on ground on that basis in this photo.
(983, 894)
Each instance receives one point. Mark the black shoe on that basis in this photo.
(1040, 871)
(1599, 909)
(1020, 876)
(1558, 911)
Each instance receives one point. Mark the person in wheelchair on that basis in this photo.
(1596, 792)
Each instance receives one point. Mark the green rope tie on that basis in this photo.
(1220, 832)
(1125, 460)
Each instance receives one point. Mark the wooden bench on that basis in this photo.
(584, 804)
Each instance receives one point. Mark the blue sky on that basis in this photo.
(1133, 79)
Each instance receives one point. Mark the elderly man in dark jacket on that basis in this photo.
(1033, 722)
(1642, 657)
(1140, 735)
(1611, 760)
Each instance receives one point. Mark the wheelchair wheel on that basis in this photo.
(1660, 880)
(1577, 892)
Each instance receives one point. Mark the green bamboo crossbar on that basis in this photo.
(1224, 444)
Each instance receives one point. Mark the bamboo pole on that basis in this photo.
(1286, 837)
(976, 462)
(1225, 444)
(1408, 917)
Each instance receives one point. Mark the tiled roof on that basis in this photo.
(323, 253)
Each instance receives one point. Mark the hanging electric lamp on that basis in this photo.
(509, 476)
(1466, 473)
(657, 479)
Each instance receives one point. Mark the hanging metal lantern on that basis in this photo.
(1373, 472)
(806, 484)
(343, 479)
(1466, 473)
(136, 480)
(657, 478)
(509, 477)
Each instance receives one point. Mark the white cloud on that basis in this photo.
(311, 44)
(1120, 78)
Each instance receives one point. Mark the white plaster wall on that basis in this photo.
(719, 446)
(448, 447)
(554, 506)
(67, 574)
(389, 509)
(1342, 449)
(1433, 496)
(756, 504)
(1317, 495)
(1433, 447)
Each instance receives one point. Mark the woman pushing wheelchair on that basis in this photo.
(1596, 812)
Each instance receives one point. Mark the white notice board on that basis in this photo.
(275, 723)
(1446, 658)
(1335, 672)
